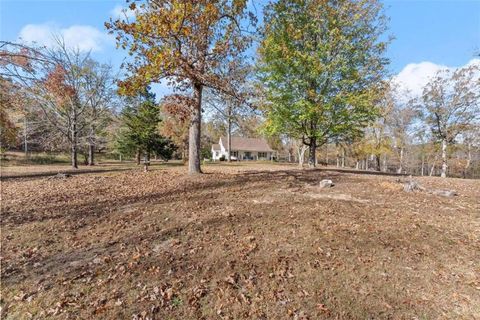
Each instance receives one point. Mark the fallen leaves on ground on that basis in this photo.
(260, 242)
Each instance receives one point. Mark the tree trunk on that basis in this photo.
(91, 154)
(432, 170)
(312, 159)
(343, 157)
(91, 146)
(384, 169)
(229, 135)
(357, 166)
(469, 160)
(185, 153)
(74, 152)
(25, 137)
(146, 161)
(423, 165)
(195, 132)
(444, 158)
(379, 166)
(326, 153)
(137, 157)
(301, 154)
(400, 166)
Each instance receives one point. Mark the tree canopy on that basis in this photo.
(322, 64)
(140, 132)
(184, 42)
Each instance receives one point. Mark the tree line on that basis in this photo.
(312, 74)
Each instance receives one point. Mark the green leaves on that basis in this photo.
(321, 63)
(140, 132)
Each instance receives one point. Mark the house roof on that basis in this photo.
(215, 147)
(247, 144)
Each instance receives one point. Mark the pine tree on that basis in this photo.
(139, 134)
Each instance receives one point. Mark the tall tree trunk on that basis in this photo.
(326, 153)
(357, 166)
(423, 165)
(343, 157)
(379, 166)
(229, 132)
(400, 166)
(444, 158)
(91, 154)
(185, 153)
(91, 147)
(312, 159)
(74, 152)
(137, 157)
(25, 137)
(432, 170)
(469, 160)
(384, 169)
(146, 161)
(195, 132)
(301, 155)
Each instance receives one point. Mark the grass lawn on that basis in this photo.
(243, 241)
(16, 165)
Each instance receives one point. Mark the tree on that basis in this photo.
(184, 42)
(451, 105)
(177, 112)
(100, 96)
(322, 64)
(59, 80)
(8, 130)
(237, 72)
(140, 131)
(229, 110)
(401, 114)
(471, 139)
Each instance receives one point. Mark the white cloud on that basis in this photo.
(122, 12)
(82, 37)
(415, 76)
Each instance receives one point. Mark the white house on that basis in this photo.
(243, 149)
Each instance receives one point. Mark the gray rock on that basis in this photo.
(445, 193)
(326, 183)
(76, 263)
(412, 186)
(61, 175)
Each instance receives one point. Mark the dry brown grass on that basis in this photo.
(239, 243)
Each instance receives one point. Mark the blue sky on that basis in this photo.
(428, 34)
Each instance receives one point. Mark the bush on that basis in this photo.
(222, 158)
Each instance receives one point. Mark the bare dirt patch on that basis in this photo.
(239, 243)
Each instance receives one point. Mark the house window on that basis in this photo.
(262, 154)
